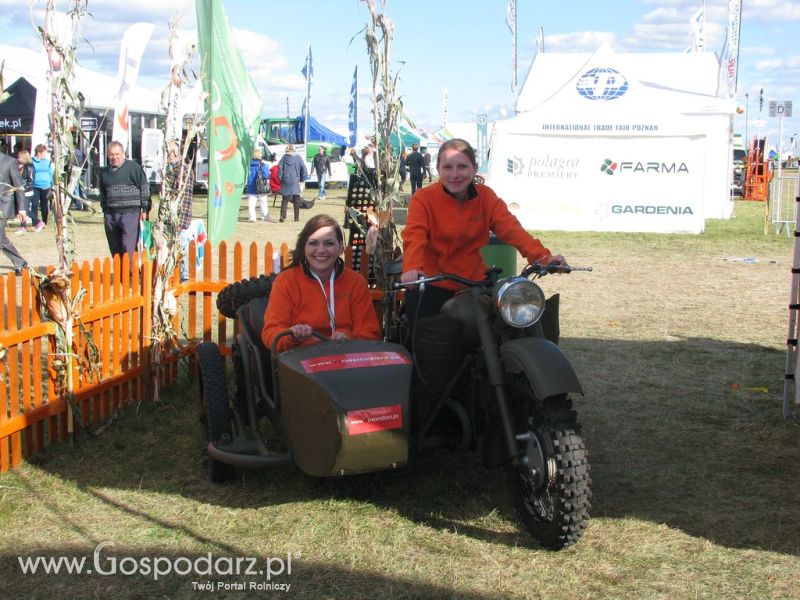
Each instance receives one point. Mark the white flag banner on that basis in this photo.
(173, 104)
(729, 58)
(130, 57)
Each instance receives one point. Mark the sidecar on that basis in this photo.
(333, 408)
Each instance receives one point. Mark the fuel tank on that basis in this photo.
(345, 406)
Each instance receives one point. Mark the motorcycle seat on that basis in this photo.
(394, 268)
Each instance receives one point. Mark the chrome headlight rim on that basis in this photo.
(524, 314)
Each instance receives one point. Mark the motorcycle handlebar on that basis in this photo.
(542, 270)
(533, 269)
(441, 277)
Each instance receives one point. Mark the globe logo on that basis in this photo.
(602, 83)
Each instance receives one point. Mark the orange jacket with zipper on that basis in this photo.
(297, 297)
(444, 235)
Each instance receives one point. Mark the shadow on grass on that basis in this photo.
(687, 433)
(112, 571)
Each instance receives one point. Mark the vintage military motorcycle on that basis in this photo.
(482, 376)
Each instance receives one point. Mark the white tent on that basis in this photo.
(98, 89)
(616, 142)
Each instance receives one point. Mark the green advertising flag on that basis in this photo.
(233, 110)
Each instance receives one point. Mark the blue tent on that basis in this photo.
(317, 132)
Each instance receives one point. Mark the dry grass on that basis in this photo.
(681, 351)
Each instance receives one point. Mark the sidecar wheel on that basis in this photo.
(239, 293)
(554, 504)
(214, 413)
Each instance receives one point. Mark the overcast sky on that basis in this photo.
(464, 47)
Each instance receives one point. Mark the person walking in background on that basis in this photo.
(78, 202)
(322, 166)
(414, 163)
(25, 165)
(291, 172)
(426, 164)
(125, 200)
(368, 163)
(42, 184)
(12, 203)
(402, 170)
(258, 187)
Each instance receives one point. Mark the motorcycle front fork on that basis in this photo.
(494, 371)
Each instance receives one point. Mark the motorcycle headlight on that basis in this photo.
(520, 302)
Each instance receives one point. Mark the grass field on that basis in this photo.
(680, 345)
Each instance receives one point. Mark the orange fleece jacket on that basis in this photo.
(443, 235)
(297, 298)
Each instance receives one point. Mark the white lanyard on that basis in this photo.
(329, 299)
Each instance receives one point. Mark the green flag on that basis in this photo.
(233, 108)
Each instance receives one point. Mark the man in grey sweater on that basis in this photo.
(12, 203)
(125, 199)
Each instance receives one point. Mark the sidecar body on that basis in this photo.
(345, 406)
(339, 407)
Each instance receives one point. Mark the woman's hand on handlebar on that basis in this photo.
(301, 331)
(553, 264)
(339, 335)
(411, 276)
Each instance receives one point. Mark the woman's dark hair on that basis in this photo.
(459, 145)
(313, 224)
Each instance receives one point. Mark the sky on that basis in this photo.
(463, 47)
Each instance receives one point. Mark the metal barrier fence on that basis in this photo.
(783, 188)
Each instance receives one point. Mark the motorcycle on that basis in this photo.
(482, 375)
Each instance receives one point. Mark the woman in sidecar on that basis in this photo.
(326, 401)
(317, 293)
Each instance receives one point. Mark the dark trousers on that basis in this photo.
(295, 200)
(426, 171)
(8, 248)
(122, 231)
(39, 200)
(416, 182)
(427, 304)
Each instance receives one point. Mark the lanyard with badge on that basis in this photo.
(329, 300)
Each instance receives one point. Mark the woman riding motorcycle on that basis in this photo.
(447, 225)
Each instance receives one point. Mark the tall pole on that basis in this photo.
(703, 26)
(746, 111)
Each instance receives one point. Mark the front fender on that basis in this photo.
(543, 363)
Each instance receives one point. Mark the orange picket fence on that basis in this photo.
(112, 334)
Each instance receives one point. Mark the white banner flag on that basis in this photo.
(729, 58)
(130, 57)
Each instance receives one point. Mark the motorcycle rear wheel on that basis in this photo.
(553, 505)
(215, 413)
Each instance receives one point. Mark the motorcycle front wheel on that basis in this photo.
(551, 488)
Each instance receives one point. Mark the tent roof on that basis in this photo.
(317, 132)
(98, 89)
(16, 113)
(669, 83)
